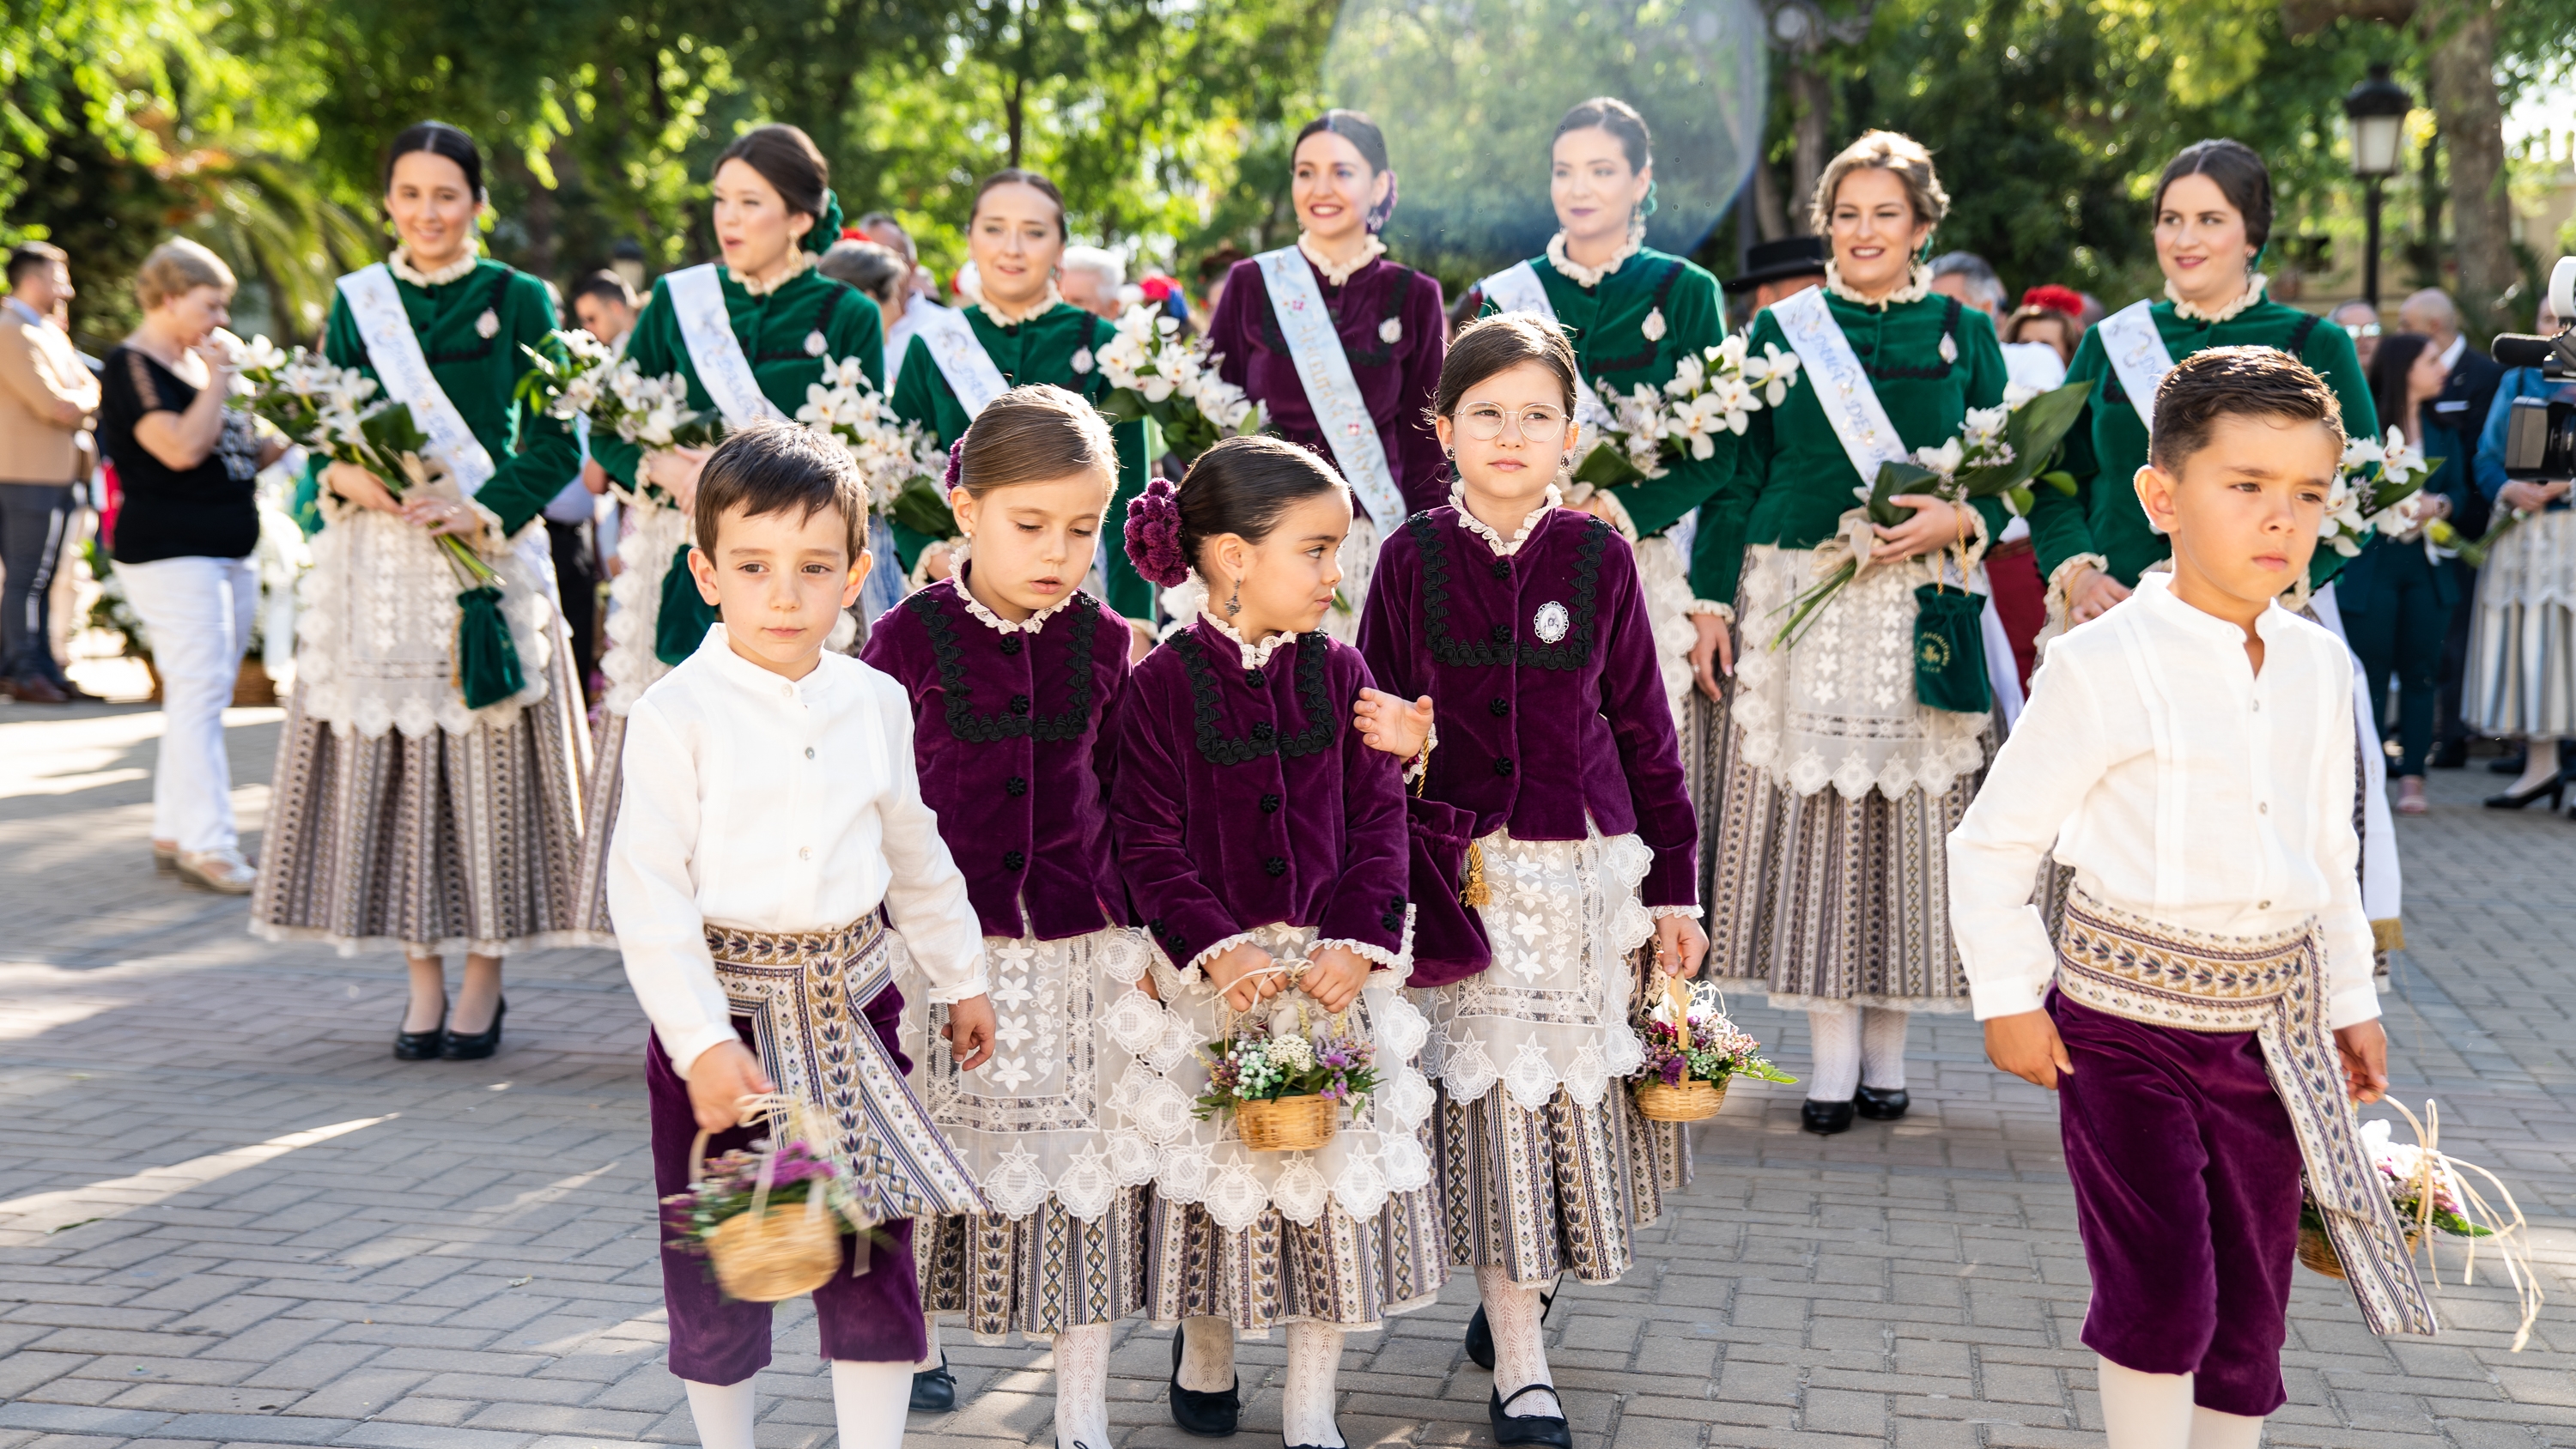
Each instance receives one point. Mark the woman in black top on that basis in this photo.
(183, 541)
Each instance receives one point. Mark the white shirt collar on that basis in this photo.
(1337, 273)
(1502, 547)
(30, 315)
(400, 265)
(799, 261)
(1918, 285)
(2451, 354)
(2191, 313)
(1254, 655)
(2156, 591)
(759, 682)
(1030, 625)
(999, 318)
(1583, 276)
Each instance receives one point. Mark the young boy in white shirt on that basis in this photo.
(771, 826)
(2213, 1018)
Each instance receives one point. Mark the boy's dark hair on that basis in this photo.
(1242, 486)
(1497, 344)
(606, 285)
(773, 467)
(2236, 382)
(32, 256)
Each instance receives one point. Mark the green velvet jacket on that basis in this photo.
(1607, 324)
(2109, 445)
(1040, 349)
(1793, 482)
(777, 333)
(535, 455)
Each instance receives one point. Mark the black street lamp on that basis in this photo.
(2376, 111)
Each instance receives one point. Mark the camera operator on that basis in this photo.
(2518, 681)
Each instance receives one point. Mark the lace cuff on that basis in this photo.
(1617, 514)
(1712, 608)
(1686, 912)
(1379, 956)
(1420, 765)
(1983, 539)
(2061, 609)
(966, 990)
(492, 539)
(920, 577)
(1195, 972)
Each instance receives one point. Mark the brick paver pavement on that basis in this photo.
(227, 1216)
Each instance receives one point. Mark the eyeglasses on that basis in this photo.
(2359, 330)
(1484, 422)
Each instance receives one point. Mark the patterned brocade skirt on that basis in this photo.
(1037, 1274)
(1341, 1270)
(2522, 638)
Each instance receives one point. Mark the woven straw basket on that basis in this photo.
(771, 1253)
(1693, 1100)
(1286, 1124)
(2317, 1251)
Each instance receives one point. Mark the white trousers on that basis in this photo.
(198, 613)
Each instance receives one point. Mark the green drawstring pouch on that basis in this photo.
(685, 617)
(1950, 650)
(487, 660)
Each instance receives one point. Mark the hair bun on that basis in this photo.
(956, 462)
(1154, 534)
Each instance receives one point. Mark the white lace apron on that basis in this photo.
(1663, 573)
(645, 558)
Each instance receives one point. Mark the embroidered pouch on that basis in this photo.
(1449, 943)
(1950, 650)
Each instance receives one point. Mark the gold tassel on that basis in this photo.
(1474, 893)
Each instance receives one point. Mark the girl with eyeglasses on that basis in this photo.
(1523, 625)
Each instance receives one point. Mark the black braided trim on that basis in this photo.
(1263, 740)
(823, 314)
(1574, 652)
(984, 729)
(1380, 352)
(482, 347)
(1672, 273)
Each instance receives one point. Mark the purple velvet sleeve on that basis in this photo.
(1367, 903)
(1149, 810)
(1641, 724)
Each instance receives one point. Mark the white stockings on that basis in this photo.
(1306, 1404)
(1882, 1048)
(1207, 1355)
(1520, 1343)
(1082, 1387)
(930, 1342)
(2155, 1411)
(870, 1401)
(723, 1413)
(1854, 1044)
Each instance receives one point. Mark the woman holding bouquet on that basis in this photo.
(401, 814)
(748, 335)
(1832, 792)
(1019, 331)
(1340, 346)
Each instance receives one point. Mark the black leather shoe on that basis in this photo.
(1880, 1106)
(2555, 787)
(2507, 764)
(421, 1046)
(1825, 1118)
(1480, 1333)
(1509, 1428)
(1210, 1416)
(934, 1391)
(463, 1048)
(2449, 755)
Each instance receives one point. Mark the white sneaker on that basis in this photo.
(218, 870)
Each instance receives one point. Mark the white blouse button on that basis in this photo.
(2261, 807)
(804, 852)
(809, 752)
(2262, 905)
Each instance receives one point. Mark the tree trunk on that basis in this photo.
(1014, 113)
(2471, 117)
(1815, 102)
(1771, 217)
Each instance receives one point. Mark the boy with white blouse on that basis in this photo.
(772, 825)
(2212, 1018)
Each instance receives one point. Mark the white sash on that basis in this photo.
(697, 301)
(2138, 355)
(1516, 288)
(1841, 384)
(1325, 369)
(394, 349)
(962, 360)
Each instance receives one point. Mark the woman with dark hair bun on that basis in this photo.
(1339, 345)
(403, 816)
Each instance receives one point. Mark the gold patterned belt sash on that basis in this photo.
(2273, 986)
(806, 995)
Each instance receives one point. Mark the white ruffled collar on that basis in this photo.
(2191, 313)
(799, 261)
(1337, 273)
(1917, 287)
(400, 265)
(999, 318)
(1503, 547)
(1254, 655)
(975, 606)
(1583, 276)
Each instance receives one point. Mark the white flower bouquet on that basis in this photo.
(1716, 392)
(577, 375)
(896, 457)
(1155, 373)
(2379, 490)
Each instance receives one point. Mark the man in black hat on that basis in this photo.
(1777, 269)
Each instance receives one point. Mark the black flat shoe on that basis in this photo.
(421, 1046)
(1480, 1333)
(1825, 1118)
(2555, 787)
(1527, 1428)
(1880, 1106)
(934, 1391)
(2449, 755)
(463, 1048)
(1210, 1416)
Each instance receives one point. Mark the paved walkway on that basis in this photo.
(228, 1216)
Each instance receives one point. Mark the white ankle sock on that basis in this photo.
(930, 1345)
(1082, 1387)
(1835, 1030)
(1520, 1343)
(2145, 1411)
(1207, 1355)
(1306, 1403)
(722, 1413)
(870, 1400)
(2211, 1429)
(1882, 1048)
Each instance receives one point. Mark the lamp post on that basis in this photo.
(2376, 111)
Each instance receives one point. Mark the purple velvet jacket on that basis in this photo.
(1013, 736)
(1545, 691)
(1398, 378)
(1243, 797)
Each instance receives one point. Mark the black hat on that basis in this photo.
(1772, 261)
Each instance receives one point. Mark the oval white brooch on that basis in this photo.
(1949, 348)
(1653, 326)
(1082, 360)
(487, 324)
(1390, 331)
(815, 343)
(1552, 622)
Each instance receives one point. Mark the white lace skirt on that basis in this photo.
(2522, 640)
(1663, 571)
(1359, 565)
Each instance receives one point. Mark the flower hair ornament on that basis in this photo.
(1154, 535)
(956, 464)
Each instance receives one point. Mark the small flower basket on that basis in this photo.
(1693, 1049)
(1286, 1087)
(767, 1220)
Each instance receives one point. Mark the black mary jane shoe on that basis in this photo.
(934, 1391)
(1825, 1118)
(1480, 1332)
(421, 1046)
(1210, 1416)
(461, 1047)
(2555, 787)
(1511, 1428)
(1880, 1106)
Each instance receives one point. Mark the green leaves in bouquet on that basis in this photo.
(1607, 466)
(1125, 405)
(391, 432)
(1895, 480)
(920, 508)
(2035, 430)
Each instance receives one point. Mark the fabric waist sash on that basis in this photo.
(806, 994)
(2273, 986)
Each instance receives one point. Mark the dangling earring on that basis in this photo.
(1234, 602)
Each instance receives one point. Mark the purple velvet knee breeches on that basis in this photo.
(2186, 1176)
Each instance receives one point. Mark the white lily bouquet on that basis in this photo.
(896, 457)
(2388, 501)
(1716, 392)
(577, 375)
(1154, 372)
